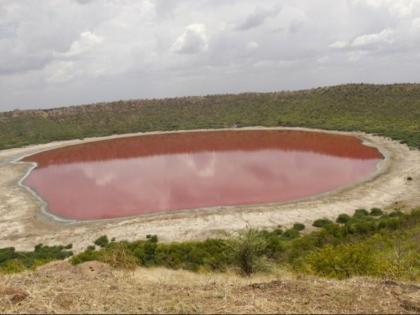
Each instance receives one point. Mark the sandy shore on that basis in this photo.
(23, 224)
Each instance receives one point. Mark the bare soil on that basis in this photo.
(24, 220)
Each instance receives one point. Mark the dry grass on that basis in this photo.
(95, 287)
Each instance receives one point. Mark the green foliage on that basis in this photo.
(342, 261)
(102, 241)
(298, 226)
(290, 234)
(376, 212)
(361, 213)
(384, 245)
(389, 110)
(248, 249)
(322, 222)
(343, 218)
(16, 261)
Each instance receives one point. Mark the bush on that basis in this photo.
(360, 213)
(343, 218)
(376, 212)
(119, 256)
(396, 213)
(298, 226)
(290, 234)
(15, 261)
(320, 223)
(247, 249)
(102, 241)
(341, 261)
(361, 227)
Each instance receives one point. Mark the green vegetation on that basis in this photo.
(383, 246)
(298, 226)
(322, 222)
(343, 218)
(380, 245)
(376, 212)
(389, 110)
(13, 261)
(102, 241)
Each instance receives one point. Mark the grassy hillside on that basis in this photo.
(390, 110)
(96, 288)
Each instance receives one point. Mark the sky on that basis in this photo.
(57, 53)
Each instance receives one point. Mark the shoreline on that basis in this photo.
(380, 167)
(44, 227)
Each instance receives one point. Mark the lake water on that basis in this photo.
(168, 172)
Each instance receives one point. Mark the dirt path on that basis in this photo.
(23, 224)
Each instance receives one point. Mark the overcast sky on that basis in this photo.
(63, 52)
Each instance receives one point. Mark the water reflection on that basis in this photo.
(156, 173)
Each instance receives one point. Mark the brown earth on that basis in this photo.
(94, 287)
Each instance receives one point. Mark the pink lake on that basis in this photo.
(168, 172)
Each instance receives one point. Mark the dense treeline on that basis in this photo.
(390, 110)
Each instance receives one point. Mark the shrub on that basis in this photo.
(119, 256)
(12, 266)
(390, 223)
(396, 213)
(320, 223)
(247, 250)
(15, 261)
(361, 227)
(341, 261)
(376, 212)
(290, 234)
(102, 241)
(298, 226)
(343, 218)
(360, 213)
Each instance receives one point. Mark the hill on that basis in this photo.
(389, 110)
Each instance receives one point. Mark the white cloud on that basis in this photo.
(81, 51)
(258, 17)
(385, 36)
(60, 71)
(192, 41)
(339, 44)
(252, 45)
(400, 8)
(85, 43)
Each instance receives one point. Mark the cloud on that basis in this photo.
(80, 51)
(252, 45)
(400, 8)
(86, 42)
(386, 36)
(257, 18)
(192, 41)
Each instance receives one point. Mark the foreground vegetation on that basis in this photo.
(389, 110)
(369, 243)
(14, 261)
